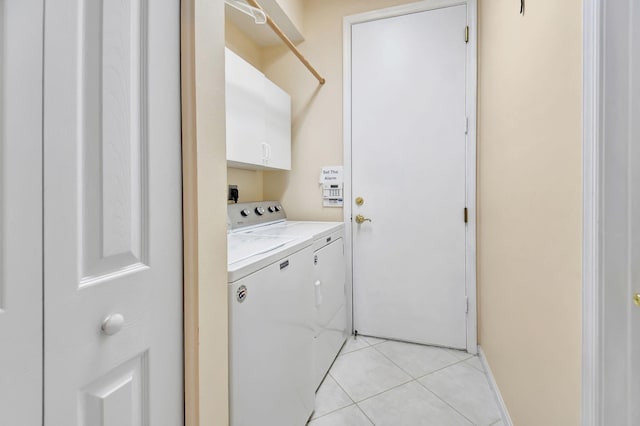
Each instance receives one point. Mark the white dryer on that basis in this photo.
(270, 330)
(329, 273)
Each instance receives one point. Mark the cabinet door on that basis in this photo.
(21, 212)
(245, 112)
(278, 126)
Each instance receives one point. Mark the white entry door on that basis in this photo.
(112, 214)
(619, 217)
(21, 212)
(408, 148)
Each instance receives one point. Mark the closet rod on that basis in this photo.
(288, 42)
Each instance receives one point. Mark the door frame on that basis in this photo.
(592, 108)
(597, 328)
(471, 92)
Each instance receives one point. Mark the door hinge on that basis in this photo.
(466, 34)
(466, 215)
(466, 125)
(466, 299)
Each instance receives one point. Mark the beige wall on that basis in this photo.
(204, 185)
(250, 182)
(529, 184)
(529, 199)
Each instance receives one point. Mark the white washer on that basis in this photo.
(329, 275)
(271, 330)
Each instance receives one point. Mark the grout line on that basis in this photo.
(386, 390)
(343, 390)
(392, 362)
(440, 369)
(446, 402)
(481, 369)
(417, 379)
(365, 414)
(331, 412)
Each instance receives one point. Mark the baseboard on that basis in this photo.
(506, 418)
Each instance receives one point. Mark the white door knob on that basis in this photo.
(112, 324)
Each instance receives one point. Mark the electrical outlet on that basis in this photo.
(233, 193)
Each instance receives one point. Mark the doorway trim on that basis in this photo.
(471, 92)
(592, 368)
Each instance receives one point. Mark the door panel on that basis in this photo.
(112, 213)
(634, 202)
(620, 235)
(409, 165)
(21, 212)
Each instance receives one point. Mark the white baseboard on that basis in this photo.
(506, 418)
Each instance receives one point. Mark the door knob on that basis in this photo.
(359, 201)
(636, 299)
(112, 324)
(361, 219)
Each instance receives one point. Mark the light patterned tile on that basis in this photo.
(410, 405)
(373, 340)
(475, 362)
(417, 360)
(330, 397)
(461, 355)
(353, 344)
(366, 372)
(349, 416)
(467, 390)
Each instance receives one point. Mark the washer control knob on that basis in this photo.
(278, 208)
(259, 211)
(245, 212)
(272, 209)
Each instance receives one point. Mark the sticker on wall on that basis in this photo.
(332, 181)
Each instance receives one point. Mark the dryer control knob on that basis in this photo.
(245, 212)
(278, 208)
(259, 211)
(272, 209)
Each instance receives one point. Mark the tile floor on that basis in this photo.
(383, 382)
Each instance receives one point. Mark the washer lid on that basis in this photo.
(243, 246)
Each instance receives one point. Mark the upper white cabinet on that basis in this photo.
(278, 126)
(245, 110)
(258, 118)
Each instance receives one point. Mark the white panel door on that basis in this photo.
(620, 174)
(408, 163)
(634, 244)
(21, 212)
(112, 221)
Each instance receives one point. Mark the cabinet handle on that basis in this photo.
(318, 292)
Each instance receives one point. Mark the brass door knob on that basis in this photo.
(359, 201)
(361, 219)
(636, 299)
